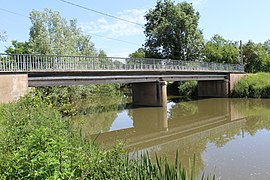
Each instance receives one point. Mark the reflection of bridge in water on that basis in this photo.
(185, 125)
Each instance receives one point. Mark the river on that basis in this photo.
(229, 137)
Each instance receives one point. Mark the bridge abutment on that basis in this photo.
(213, 89)
(12, 87)
(150, 94)
(219, 89)
(234, 78)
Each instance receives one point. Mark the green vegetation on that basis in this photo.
(36, 142)
(52, 34)
(18, 48)
(138, 53)
(65, 98)
(188, 88)
(253, 86)
(221, 50)
(256, 57)
(172, 31)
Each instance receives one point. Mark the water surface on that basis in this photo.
(229, 137)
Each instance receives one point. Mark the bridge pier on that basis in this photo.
(150, 94)
(12, 87)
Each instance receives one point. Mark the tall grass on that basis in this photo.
(253, 86)
(36, 142)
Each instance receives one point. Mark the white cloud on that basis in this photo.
(117, 28)
(199, 3)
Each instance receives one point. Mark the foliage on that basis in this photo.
(256, 57)
(172, 32)
(253, 86)
(52, 34)
(188, 88)
(18, 48)
(221, 50)
(37, 143)
(102, 53)
(64, 98)
(140, 53)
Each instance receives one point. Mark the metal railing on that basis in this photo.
(32, 62)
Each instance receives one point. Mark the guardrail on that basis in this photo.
(32, 62)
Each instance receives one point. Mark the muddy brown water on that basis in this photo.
(229, 137)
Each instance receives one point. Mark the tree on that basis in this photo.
(172, 31)
(18, 48)
(52, 34)
(221, 50)
(140, 53)
(102, 53)
(256, 57)
(266, 45)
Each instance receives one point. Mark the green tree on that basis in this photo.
(18, 48)
(266, 45)
(172, 31)
(102, 53)
(52, 34)
(139, 53)
(221, 50)
(256, 57)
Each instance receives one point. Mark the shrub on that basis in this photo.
(188, 88)
(253, 86)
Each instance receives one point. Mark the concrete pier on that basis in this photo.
(12, 87)
(150, 94)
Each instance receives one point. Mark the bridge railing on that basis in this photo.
(31, 62)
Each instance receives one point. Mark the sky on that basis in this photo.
(233, 19)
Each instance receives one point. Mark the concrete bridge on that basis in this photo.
(148, 77)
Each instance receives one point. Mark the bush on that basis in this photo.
(64, 98)
(37, 143)
(253, 86)
(188, 88)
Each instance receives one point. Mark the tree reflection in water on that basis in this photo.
(188, 127)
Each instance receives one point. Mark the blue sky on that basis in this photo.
(233, 19)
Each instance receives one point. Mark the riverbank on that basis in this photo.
(37, 142)
(253, 86)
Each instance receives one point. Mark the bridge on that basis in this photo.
(148, 77)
